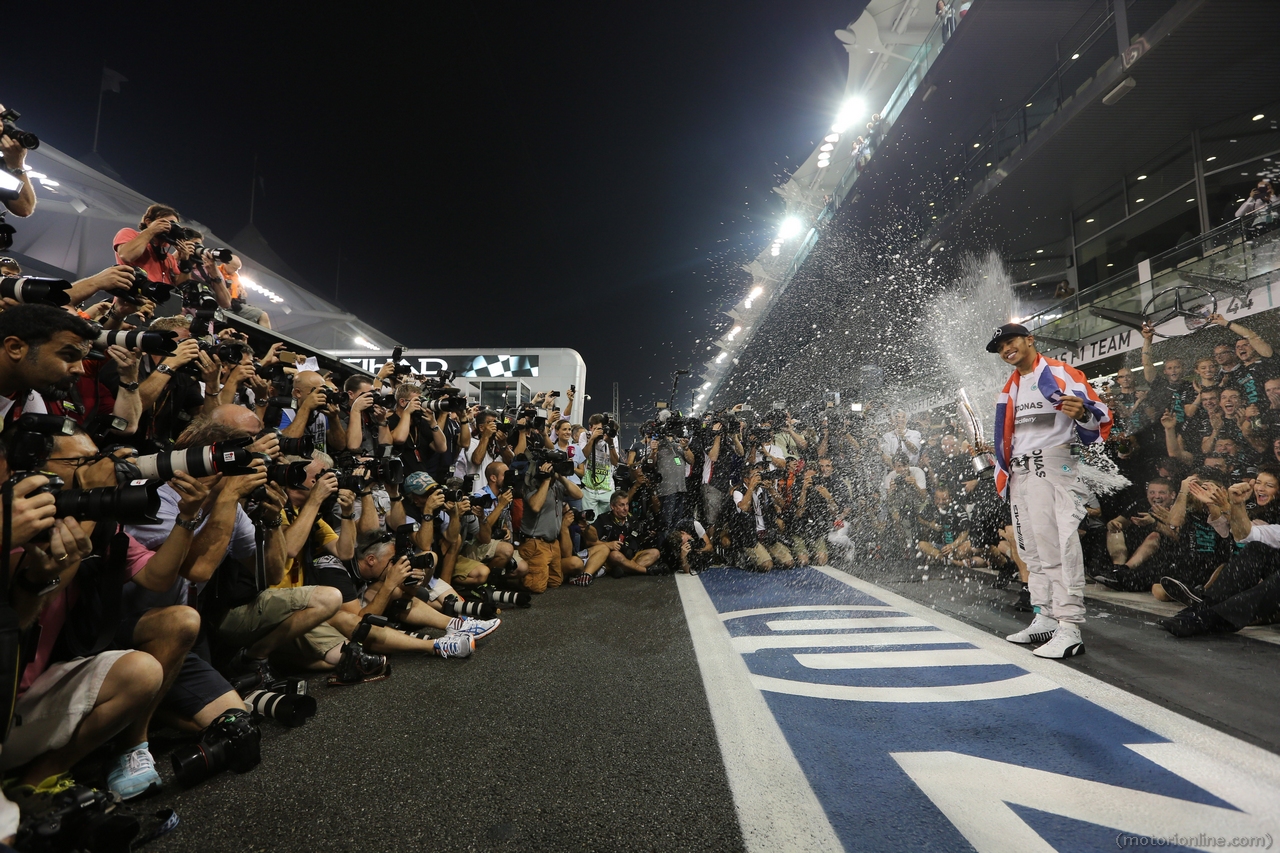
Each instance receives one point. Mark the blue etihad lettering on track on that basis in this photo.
(886, 755)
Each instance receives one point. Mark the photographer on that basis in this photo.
(484, 448)
(752, 530)
(820, 509)
(721, 464)
(615, 531)
(168, 386)
(315, 401)
(15, 162)
(148, 246)
(43, 352)
(546, 493)
(239, 306)
(416, 434)
(600, 456)
(366, 423)
(672, 457)
(901, 439)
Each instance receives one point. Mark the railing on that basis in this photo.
(1224, 261)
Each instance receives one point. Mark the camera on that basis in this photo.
(30, 288)
(79, 818)
(385, 467)
(452, 605)
(230, 458)
(29, 442)
(231, 742)
(284, 700)
(136, 503)
(449, 400)
(399, 369)
(200, 301)
(178, 233)
(559, 460)
(483, 501)
(288, 475)
(24, 138)
(222, 256)
(303, 445)
(608, 425)
(144, 288)
(406, 549)
(386, 401)
(155, 343)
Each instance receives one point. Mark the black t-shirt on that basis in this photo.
(328, 570)
(952, 519)
(953, 472)
(610, 529)
(1249, 380)
(179, 401)
(1179, 395)
(417, 452)
(818, 514)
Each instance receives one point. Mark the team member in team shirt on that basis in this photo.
(1044, 406)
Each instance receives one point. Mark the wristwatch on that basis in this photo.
(37, 589)
(165, 369)
(189, 525)
(129, 386)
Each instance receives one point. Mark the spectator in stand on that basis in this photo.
(1260, 199)
(901, 439)
(1169, 384)
(235, 290)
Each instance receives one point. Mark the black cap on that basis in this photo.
(1008, 330)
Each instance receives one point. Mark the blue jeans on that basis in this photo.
(672, 511)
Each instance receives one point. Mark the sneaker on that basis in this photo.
(247, 673)
(1107, 577)
(583, 580)
(356, 665)
(1196, 621)
(35, 800)
(1039, 631)
(455, 646)
(133, 773)
(1179, 592)
(478, 629)
(1066, 643)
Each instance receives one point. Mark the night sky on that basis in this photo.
(536, 175)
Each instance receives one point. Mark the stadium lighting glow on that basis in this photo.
(852, 111)
(701, 396)
(1139, 201)
(733, 333)
(706, 385)
(1190, 200)
(1075, 56)
(1259, 117)
(1088, 220)
(827, 146)
(49, 183)
(257, 288)
(721, 357)
(1039, 251)
(361, 342)
(831, 137)
(1142, 177)
(1211, 159)
(977, 145)
(774, 252)
(756, 291)
(822, 164)
(791, 227)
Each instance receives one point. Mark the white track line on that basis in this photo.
(776, 807)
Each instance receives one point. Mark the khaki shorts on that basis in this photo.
(48, 714)
(544, 565)
(248, 623)
(776, 553)
(462, 568)
(479, 553)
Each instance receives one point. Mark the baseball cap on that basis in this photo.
(1008, 330)
(418, 483)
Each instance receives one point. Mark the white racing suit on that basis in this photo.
(1047, 504)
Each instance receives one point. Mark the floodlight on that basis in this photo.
(852, 111)
(827, 146)
(791, 227)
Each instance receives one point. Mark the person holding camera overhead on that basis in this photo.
(158, 245)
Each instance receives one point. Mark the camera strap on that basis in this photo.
(259, 558)
(10, 630)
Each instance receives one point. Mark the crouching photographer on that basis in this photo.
(614, 529)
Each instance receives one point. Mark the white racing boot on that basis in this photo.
(1039, 631)
(1066, 643)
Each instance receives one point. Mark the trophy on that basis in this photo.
(983, 463)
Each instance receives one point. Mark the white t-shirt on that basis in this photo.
(1036, 423)
(913, 472)
(462, 468)
(757, 504)
(603, 470)
(890, 444)
(770, 450)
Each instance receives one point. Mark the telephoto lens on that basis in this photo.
(30, 288)
(499, 597)
(155, 343)
(231, 742)
(220, 458)
(290, 709)
(303, 445)
(136, 503)
(454, 606)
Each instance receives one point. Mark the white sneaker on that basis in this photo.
(1039, 631)
(1066, 643)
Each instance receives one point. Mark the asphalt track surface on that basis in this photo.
(631, 716)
